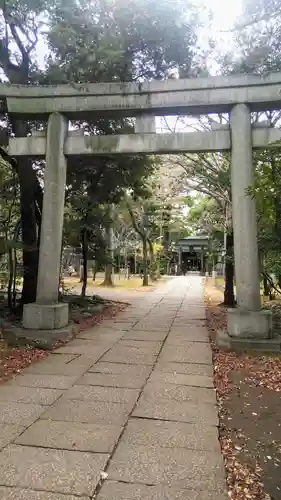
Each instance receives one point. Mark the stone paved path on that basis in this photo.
(133, 397)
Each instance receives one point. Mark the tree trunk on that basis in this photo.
(229, 299)
(84, 244)
(31, 201)
(266, 286)
(14, 294)
(153, 265)
(110, 255)
(10, 281)
(277, 207)
(94, 270)
(145, 266)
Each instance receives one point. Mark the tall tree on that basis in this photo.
(20, 26)
(88, 42)
(209, 174)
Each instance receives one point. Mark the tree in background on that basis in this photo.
(87, 42)
(209, 174)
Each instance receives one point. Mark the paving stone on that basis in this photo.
(58, 471)
(8, 433)
(182, 379)
(153, 347)
(191, 322)
(135, 350)
(84, 343)
(145, 432)
(19, 413)
(181, 393)
(93, 353)
(202, 470)
(43, 380)
(53, 366)
(186, 368)
(110, 325)
(146, 335)
(71, 436)
(133, 371)
(36, 395)
(89, 412)
(100, 393)
(178, 336)
(201, 414)
(150, 327)
(130, 355)
(114, 380)
(113, 490)
(100, 335)
(195, 352)
(19, 494)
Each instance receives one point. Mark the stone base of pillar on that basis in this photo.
(42, 339)
(45, 316)
(249, 330)
(249, 324)
(224, 341)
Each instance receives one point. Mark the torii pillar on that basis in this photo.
(247, 320)
(47, 313)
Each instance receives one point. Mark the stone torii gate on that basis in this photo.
(236, 95)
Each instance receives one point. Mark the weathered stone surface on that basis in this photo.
(188, 334)
(111, 325)
(43, 380)
(89, 412)
(8, 433)
(45, 316)
(185, 368)
(93, 353)
(182, 379)
(19, 494)
(130, 355)
(202, 470)
(95, 438)
(146, 334)
(114, 380)
(168, 447)
(142, 432)
(195, 352)
(112, 490)
(58, 471)
(164, 409)
(181, 393)
(131, 371)
(99, 393)
(249, 324)
(53, 366)
(149, 326)
(99, 334)
(41, 339)
(34, 395)
(19, 413)
(153, 347)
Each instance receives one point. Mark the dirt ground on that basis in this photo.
(249, 396)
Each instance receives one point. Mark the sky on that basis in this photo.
(225, 13)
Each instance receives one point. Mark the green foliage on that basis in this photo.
(121, 41)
